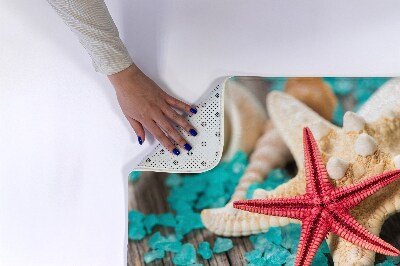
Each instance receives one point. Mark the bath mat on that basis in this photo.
(206, 146)
(185, 215)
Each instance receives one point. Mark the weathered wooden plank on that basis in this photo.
(148, 195)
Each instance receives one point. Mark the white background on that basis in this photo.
(65, 147)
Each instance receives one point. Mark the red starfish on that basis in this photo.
(324, 208)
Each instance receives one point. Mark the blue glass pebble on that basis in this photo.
(273, 252)
(167, 243)
(394, 260)
(194, 184)
(291, 237)
(274, 234)
(252, 255)
(174, 246)
(181, 194)
(216, 190)
(166, 219)
(181, 207)
(152, 255)
(135, 216)
(204, 202)
(222, 245)
(341, 86)
(135, 228)
(219, 202)
(277, 83)
(320, 259)
(155, 239)
(136, 231)
(294, 245)
(173, 180)
(186, 256)
(278, 257)
(149, 222)
(258, 262)
(174, 237)
(188, 222)
(210, 189)
(365, 87)
(204, 250)
(290, 260)
(278, 175)
(134, 176)
(238, 164)
(260, 241)
(324, 248)
(385, 263)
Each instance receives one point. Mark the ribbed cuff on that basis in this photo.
(111, 59)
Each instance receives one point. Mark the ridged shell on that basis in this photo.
(242, 111)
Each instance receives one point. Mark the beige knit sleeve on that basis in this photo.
(91, 21)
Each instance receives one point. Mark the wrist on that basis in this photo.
(119, 80)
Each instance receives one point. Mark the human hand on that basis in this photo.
(145, 104)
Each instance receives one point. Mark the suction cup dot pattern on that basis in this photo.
(206, 146)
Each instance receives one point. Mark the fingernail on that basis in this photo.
(176, 152)
(187, 147)
(193, 110)
(140, 140)
(193, 132)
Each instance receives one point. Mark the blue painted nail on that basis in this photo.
(193, 132)
(193, 110)
(140, 140)
(176, 152)
(187, 147)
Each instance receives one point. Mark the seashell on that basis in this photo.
(241, 112)
(270, 152)
(313, 92)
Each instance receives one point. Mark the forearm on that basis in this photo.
(91, 21)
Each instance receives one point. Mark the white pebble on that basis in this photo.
(396, 160)
(365, 145)
(353, 122)
(259, 194)
(336, 167)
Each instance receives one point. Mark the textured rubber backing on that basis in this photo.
(207, 145)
